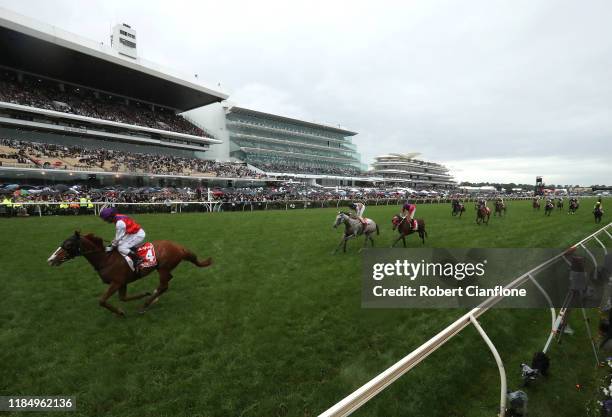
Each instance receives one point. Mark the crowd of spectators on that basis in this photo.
(305, 169)
(47, 155)
(47, 95)
(80, 199)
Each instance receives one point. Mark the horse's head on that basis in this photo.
(73, 247)
(340, 218)
(395, 221)
(70, 248)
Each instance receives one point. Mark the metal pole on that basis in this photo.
(500, 365)
(553, 312)
(601, 244)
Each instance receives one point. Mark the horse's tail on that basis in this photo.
(377, 231)
(193, 258)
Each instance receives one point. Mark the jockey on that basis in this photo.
(359, 209)
(500, 199)
(408, 210)
(482, 203)
(598, 206)
(128, 234)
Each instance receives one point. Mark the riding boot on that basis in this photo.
(136, 259)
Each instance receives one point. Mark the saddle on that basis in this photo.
(364, 223)
(146, 254)
(413, 226)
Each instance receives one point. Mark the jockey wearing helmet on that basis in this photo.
(598, 206)
(128, 234)
(408, 210)
(359, 209)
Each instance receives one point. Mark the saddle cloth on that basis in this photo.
(146, 252)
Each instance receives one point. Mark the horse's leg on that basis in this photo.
(404, 240)
(112, 288)
(124, 297)
(365, 242)
(340, 244)
(396, 240)
(164, 277)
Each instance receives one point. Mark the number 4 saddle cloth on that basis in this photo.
(146, 252)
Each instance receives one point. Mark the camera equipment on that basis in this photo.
(578, 290)
(517, 404)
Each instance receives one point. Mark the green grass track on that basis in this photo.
(274, 327)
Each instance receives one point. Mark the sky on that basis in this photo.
(499, 91)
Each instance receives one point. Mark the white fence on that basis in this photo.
(362, 395)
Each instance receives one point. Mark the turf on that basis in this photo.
(274, 327)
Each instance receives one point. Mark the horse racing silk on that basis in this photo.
(131, 227)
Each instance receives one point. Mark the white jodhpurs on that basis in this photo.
(129, 241)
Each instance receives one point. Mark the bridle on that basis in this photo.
(76, 250)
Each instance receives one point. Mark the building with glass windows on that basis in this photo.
(406, 170)
(279, 144)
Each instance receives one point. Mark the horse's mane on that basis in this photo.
(97, 241)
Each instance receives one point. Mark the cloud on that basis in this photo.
(460, 82)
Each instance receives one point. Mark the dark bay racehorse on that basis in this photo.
(573, 206)
(548, 208)
(500, 208)
(482, 215)
(536, 204)
(598, 212)
(353, 228)
(114, 270)
(560, 204)
(458, 209)
(404, 229)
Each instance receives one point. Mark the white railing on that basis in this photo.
(366, 392)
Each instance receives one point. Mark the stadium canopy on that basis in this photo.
(47, 51)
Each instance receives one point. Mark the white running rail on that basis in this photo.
(366, 392)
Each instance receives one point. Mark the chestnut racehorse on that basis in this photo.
(114, 270)
(404, 229)
(482, 215)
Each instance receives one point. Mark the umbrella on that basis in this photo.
(61, 187)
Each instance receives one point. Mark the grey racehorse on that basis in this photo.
(353, 228)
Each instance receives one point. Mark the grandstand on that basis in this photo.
(284, 147)
(406, 170)
(108, 112)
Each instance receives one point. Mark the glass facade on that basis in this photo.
(279, 144)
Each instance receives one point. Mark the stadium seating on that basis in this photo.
(47, 95)
(51, 156)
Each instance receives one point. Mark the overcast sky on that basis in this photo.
(497, 90)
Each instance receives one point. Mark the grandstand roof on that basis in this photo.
(242, 110)
(38, 48)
